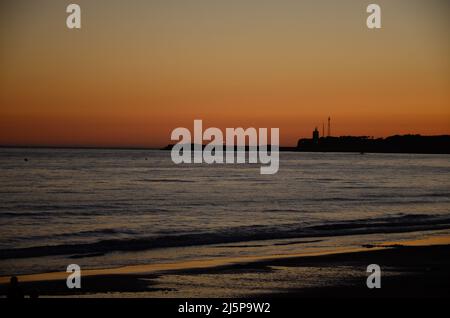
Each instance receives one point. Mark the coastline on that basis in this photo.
(409, 269)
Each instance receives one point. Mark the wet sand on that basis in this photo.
(413, 269)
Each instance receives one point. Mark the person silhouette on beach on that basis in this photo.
(15, 292)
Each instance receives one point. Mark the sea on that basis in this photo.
(107, 208)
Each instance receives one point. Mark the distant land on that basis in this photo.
(363, 144)
(360, 144)
(393, 144)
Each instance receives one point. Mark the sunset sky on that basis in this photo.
(138, 69)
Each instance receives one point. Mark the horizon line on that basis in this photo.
(129, 147)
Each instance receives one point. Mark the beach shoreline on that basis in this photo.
(409, 269)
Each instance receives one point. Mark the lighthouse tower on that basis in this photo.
(315, 136)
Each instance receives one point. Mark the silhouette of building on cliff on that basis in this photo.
(362, 144)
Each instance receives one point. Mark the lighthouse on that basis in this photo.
(315, 136)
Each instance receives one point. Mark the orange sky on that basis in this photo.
(138, 69)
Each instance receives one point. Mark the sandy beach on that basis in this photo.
(410, 269)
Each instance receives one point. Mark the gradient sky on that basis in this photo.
(138, 69)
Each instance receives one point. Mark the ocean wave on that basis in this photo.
(398, 224)
(80, 234)
(166, 180)
(77, 212)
